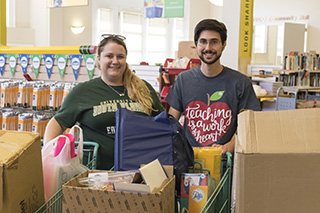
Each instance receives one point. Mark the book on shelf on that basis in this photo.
(295, 60)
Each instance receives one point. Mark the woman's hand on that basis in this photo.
(228, 147)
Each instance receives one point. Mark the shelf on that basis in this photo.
(261, 76)
(175, 71)
(265, 96)
(296, 71)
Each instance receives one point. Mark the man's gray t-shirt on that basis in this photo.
(211, 104)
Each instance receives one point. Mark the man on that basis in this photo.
(211, 95)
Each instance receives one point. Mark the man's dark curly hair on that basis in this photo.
(210, 24)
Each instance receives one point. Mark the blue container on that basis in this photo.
(154, 12)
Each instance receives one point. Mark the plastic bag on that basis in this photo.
(61, 161)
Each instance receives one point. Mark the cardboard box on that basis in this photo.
(187, 49)
(275, 168)
(84, 199)
(21, 178)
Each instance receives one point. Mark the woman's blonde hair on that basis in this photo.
(137, 89)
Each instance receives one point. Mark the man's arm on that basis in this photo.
(175, 113)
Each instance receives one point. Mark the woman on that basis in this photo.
(94, 103)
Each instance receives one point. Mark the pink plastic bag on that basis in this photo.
(61, 161)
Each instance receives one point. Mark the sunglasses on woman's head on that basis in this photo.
(103, 36)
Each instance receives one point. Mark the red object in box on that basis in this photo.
(193, 62)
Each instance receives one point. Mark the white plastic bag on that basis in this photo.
(59, 164)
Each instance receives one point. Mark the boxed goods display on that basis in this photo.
(78, 198)
(21, 179)
(275, 168)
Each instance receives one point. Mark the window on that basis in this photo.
(156, 40)
(178, 34)
(280, 41)
(104, 21)
(151, 40)
(132, 30)
(260, 39)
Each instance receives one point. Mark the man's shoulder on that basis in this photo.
(235, 73)
(190, 72)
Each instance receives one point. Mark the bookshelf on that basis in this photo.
(301, 69)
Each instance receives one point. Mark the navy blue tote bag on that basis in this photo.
(141, 139)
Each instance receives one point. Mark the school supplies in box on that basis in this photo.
(162, 201)
(210, 158)
(196, 188)
(105, 180)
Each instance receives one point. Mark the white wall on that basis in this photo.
(38, 21)
(199, 9)
(287, 8)
(231, 18)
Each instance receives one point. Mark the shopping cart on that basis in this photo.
(219, 201)
(54, 204)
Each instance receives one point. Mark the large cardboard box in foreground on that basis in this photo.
(277, 159)
(83, 199)
(21, 178)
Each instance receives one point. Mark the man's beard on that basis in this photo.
(209, 62)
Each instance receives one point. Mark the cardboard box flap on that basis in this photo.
(13, 144)
(287, 131)
(153, 174)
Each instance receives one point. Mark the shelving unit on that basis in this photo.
(297, 97)
(168, 75)
(150, 73)
(41, 95)
(301, 69)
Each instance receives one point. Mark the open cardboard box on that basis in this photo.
(276, 162)
(21, 178)
(82, 199)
